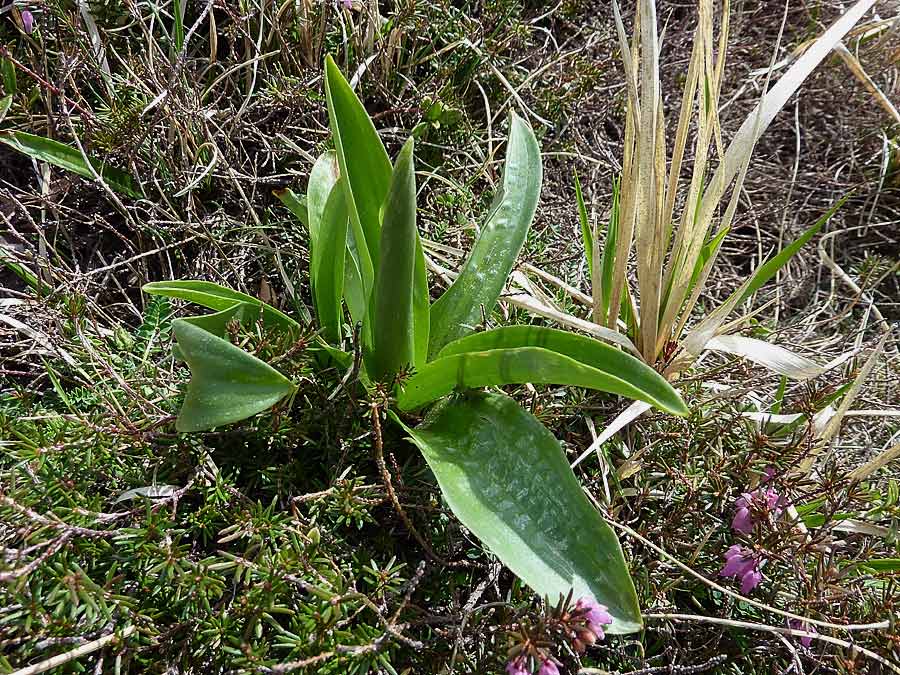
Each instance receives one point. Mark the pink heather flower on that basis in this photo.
(741, 562)
(743, 520)
(805, 640)
(516, 666)
(752, 506)
(346, 4)
(27, 21)
(595, 614)
(548, 667)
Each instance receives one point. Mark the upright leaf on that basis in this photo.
(506, 478)
(364, 165)
(421, 306)
(328, 272)
(587, 239)
(227, 384)
(393, 329)
(484, 274)
(322, 179)
(69, 158)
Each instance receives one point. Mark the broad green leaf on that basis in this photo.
(392, 318)
(322, 179)
(484, 274)
(355, 293)
(227, 384)
(214, 296)
(768, 269)
(506, 478)
(558, 357)
(217, 322)
(364, 164)
(328, 272)
(586, 237)
(70, 159)
(516, 365)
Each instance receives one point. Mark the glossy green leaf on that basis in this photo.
(70, 159)
(393, 328)
(322, 179)
(227, 384)
(506, 478)
(484, 274)
(214, 296)
(510, 356)
(364, 164)
(768, 269)
(328, 269)
(217, 322)
(355, 293)
(641, 381)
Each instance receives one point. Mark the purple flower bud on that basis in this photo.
(743, 563)
(743, 521)
(548, 667)
(805, 640)
(346, 4)
(595, 614)
(752, 507)
(516, 666)
(27, 21)
(750, 580)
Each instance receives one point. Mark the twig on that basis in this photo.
(666, 670)
(392, 495)
(77, 653)
(778, 630)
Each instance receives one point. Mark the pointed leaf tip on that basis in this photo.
(227, 384)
